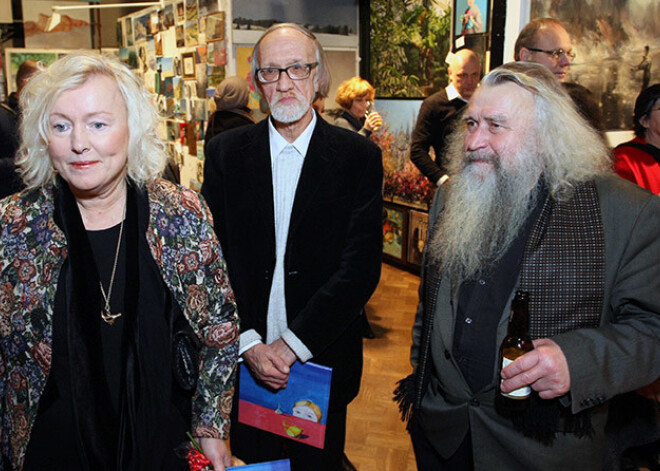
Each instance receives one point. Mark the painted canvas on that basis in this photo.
(336, 17)
(470, 17)
(418, 225)
(14, 57)
(611, 40)
(73, 31)
(393, 232)
(298, 412)
(408, 45)
(403, 182)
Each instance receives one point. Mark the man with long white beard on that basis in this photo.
(298, 210)
(531, 205)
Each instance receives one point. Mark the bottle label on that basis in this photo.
(520, 393)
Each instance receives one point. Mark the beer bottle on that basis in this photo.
(517, 341)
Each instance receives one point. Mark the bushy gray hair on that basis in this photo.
(322, 78)
(572, 151)
(146, 151)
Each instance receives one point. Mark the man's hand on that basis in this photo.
(544, 369)
(651, 391)
(217, 452)
(267, 364)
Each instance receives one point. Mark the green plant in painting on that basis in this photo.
(409, 43)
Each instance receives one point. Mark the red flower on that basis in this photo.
(197, 461)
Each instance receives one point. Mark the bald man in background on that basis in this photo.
(440, 110)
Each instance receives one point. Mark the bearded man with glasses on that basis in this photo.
(546, 42)
(297, 205)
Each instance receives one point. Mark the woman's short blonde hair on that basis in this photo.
(353, 88)
(146, 151)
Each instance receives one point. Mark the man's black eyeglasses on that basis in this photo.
(556, 54)
(295, 72)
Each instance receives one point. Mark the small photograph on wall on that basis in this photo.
(215, 27)
(128, 29)
(418, 225)
(192, 12)
(217, 53)
(168, 16)
(214, 75)
(207, 7)
(393, 232)
(192, 34)
(470, 17)
(72, 32)
(141, 27)
(166, 66)
(188, 65)
(180, 36)
(180, 12)
(154, 22)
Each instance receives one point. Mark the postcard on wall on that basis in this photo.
(298, 412)
(279, 465)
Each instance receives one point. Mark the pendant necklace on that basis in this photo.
(106, 314)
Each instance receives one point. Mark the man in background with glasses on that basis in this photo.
(546, 42)
(297, 205)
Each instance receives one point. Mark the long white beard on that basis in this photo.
(485, 209)
(289, 113)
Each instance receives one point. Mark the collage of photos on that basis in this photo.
(180, 52)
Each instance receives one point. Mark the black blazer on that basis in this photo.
(334, 245)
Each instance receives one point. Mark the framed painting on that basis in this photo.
(407, 46)
(470, 17)
(14, 57)
(339, 17)
(394, 232)
(615, 51)
(215, 26)
(403, 182)
(73, 31)
(418, 225)
(188, 65)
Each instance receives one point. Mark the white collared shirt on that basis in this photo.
(452, 93)
(286, 164)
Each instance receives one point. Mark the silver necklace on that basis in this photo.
(106, 314)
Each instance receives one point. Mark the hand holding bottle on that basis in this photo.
(545, 369)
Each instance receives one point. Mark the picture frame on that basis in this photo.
(395, 233)
(418, 225)
(215, 27)
(188, 65)
(470, 17)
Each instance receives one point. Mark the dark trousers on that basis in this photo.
(255, 446)
(428, 459)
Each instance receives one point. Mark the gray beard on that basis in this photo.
(289, 113)
(483, 214)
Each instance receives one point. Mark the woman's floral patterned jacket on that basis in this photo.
(32, 250)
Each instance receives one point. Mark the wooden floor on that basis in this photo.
(376, 439)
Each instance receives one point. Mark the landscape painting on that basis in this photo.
(336, 17)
